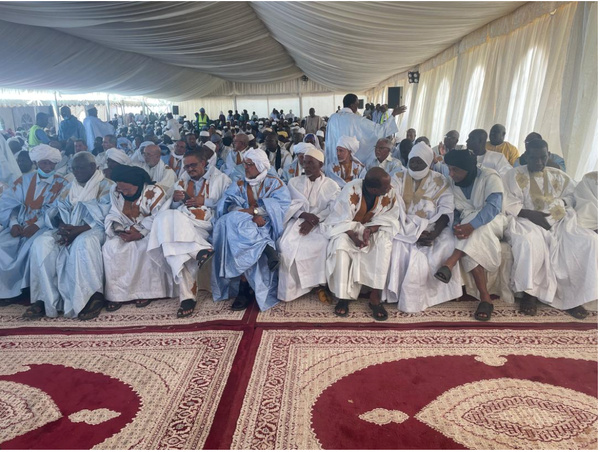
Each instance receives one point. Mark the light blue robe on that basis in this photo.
(15, 208)
(239, 243)
(65, 277)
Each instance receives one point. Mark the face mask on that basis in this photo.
(43, 174)
(418, 175)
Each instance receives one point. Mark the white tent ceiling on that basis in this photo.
(185, 50)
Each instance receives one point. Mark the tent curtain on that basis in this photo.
(539, 77)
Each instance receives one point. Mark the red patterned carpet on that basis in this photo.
(477, 389)
(296, 377)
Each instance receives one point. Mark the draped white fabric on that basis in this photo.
(539, 77)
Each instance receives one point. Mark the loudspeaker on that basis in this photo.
(361, 103)
(394, 96)
(175, 109)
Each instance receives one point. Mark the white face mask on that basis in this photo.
(418, 175)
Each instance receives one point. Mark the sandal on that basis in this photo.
(142, 303)
(378, 311)
(241, 302)
(484, 311)
(92, 309)
(444, 274)
(113, 306)
(35, 311)
(528, 305)
(186, 308)
(203, 256)
(341, 308)
(578, 312)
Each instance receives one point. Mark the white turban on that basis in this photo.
(144, 144)
(320, 133)
(204, 133)
(350, 143)
(251, 137)
(45, 152)
(302, 148)
(316, 154)
(302, 130)
(259, 158)
(422, 151)
(210, 145)
(118, 156)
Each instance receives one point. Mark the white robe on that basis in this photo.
(495, 161)
(163, 175)
(346, 123)
(94, 128)
(586, 201)
(558, 266)
(9, 169)
(411, 282)
(349, 267)
(303, 256)
(65, 277)
(390, 165)
(178, 234)
(130, 273)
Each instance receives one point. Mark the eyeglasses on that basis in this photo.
(190, 166)
(249, 164)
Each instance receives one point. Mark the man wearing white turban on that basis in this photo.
(303, 245)
(347, 122)
(345, 167)
(22, 211)
(249, 221)
(115, 157)
(296, 168)
(68, 274)
(425, 239)
(180, 239)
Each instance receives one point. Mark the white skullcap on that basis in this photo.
(302, 130)
(320, 133)
(350, 143)
(422, 151)
(45, 152)
(302, 148)
(118, 156)
(315, 153)
(218, 132)
(210, 145)
(204, 133)
(260, 122)
(251, 137)
(259, 158)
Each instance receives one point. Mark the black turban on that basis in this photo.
(465, 160)
(133, 175)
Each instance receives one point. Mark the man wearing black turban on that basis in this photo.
(129, 273)
(479, 224)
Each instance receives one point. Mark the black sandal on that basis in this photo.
(142, 303)
(528, 305)
(341, 305)
(484, 311)
(113, 306)
(578, 312)
(379, 312)
(92, 309)
(444, 274)
(35, 311)
(203, 256)
(186, 308)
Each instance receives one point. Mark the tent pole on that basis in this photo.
(56, 116)
(107, 108)
(300, 98)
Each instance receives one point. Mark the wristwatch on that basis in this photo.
(255, 211)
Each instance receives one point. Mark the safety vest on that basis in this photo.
(202, 121)
(33, 139)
